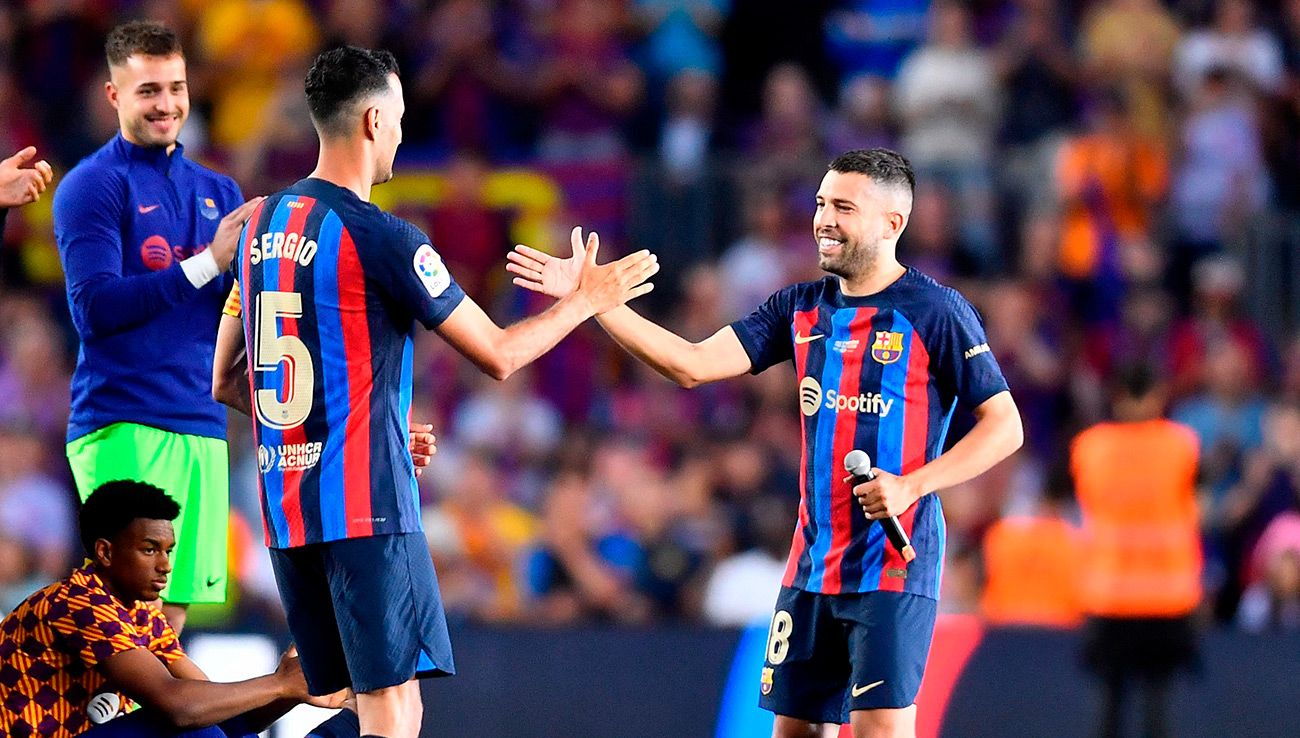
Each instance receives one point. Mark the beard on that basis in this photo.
(853, 260)
(143, 131)
(383, 172)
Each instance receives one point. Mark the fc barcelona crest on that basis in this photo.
(887, 347)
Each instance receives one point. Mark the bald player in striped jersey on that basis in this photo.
(882, 355)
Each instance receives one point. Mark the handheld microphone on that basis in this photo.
(858, 463)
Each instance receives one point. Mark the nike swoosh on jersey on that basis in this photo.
(859, 691)
(146, 209)
(807, 339)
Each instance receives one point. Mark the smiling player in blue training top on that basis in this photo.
(882, 355)
(145, 248)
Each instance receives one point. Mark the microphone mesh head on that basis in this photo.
(857, 461)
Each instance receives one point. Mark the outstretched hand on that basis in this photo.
(540, 272)
(21, 181)
(607, 286)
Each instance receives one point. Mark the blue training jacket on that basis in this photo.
(124, 219)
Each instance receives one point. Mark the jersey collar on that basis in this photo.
(315, 186)
(153, 156)
(87, 575)
(839, 299)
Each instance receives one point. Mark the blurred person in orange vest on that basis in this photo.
(1111, 178)
(1135, 479)
(1032, 564)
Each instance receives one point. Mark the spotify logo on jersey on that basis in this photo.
(813, 399)
(810, 396)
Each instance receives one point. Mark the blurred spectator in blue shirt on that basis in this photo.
(680, 35)
(873, 36)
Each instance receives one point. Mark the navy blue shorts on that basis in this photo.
(828, 655)
(364, 612)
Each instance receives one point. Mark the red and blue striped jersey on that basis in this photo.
(881, 373)
(332, 288)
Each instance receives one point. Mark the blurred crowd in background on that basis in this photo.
(1110, 182)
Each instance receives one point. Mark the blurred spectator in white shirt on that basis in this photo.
(1235, 43)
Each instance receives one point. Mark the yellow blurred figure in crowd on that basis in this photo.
(255, 47)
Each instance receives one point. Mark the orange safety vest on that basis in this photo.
(1136, 485)
(1032, 566)
(1127, 175)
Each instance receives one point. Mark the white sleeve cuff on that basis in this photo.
(200, 268)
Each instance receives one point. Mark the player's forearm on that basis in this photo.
(657, 347)
(260, 719)
(233, 392)
(192, 703)
(522, 343)
(110, 305)
(230, 366)
(996, 435)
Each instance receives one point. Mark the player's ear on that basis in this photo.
(103, 552)
(110, 94)
(897, 221)
(373, 121)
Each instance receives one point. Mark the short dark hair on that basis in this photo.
(1134, 381)
(140, 37)
(342, 76)
(112, 507)
(883, 166)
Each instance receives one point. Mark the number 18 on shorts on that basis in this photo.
(828, 655)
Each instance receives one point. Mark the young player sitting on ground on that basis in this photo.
(78, 655)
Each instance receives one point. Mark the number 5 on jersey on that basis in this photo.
(270, 351)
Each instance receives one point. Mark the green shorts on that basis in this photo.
(194, 471)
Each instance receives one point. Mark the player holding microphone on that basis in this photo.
(882, 355)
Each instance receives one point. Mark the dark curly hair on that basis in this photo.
(113, 506)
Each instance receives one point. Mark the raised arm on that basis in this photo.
(687, 363)
(500, 352)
